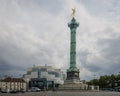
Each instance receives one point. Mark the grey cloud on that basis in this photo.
(52, 6)
(8, 69)
(110, 54)
(104, 59)
(107, 9)
(20, 45)
(34, 33)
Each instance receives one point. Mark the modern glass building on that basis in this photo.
(51, 75)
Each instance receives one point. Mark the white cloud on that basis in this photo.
(33, 34)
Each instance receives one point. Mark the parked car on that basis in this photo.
(14, 91)
(35, 89)
(5, 90)
(117, 88)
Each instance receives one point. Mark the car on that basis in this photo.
(117, 89)
(14, 91)
(35, 89)
(5, 90)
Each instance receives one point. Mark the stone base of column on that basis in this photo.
(72, 81)
(73, 86)
(72, 77)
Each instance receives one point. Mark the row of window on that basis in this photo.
(57, 74)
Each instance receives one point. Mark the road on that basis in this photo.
(62, 93)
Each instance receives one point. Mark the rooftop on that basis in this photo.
(9, 79)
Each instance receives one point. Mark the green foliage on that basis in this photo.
(106, 81)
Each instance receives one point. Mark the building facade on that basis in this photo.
(47, 72)
(12, 84)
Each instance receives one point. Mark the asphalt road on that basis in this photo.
(62, 93)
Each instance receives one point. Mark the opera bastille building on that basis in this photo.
(44, 77)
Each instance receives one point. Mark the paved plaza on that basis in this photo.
(62, 94)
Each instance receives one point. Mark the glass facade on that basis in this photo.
(41, 83)
(47, 72)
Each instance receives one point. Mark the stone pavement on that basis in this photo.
(62, 93)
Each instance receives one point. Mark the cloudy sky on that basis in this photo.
(35, 32)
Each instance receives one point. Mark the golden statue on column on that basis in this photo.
(73, 12)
